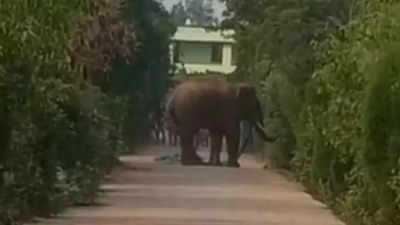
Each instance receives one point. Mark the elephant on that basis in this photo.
(218, 106)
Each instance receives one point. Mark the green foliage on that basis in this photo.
(200, 13)
(329, 72)
(279, 99)
(147, 79)
(178, 14)
(380, 151)
(348, 127)
(275, 54)
(63, 103)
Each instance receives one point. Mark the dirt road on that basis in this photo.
(143, 192)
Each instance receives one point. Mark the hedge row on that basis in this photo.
(62, 107)
(328, 75)
(348, 130)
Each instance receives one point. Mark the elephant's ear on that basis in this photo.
(249, 105)
(245, 91)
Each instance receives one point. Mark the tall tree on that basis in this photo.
(178, 14)
(146, 80)
(200, 12)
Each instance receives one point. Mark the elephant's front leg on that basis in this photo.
(216, 146)
(189, 156)
(232, 139)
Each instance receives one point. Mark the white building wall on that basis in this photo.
(226, 55)
(199, 52)
(195, 53)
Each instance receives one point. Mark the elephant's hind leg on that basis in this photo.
(216, 145)
(189, 155)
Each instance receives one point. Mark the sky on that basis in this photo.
(218, 7)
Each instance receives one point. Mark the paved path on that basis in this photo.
(143, 192)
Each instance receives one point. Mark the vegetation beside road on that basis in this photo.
(77, 81)
(328, 72)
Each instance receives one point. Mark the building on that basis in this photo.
(202, 50)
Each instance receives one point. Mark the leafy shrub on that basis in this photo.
(275, 55)
(348, 127)
(59, 133)
(337, 98)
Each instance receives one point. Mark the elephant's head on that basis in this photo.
(250, 110)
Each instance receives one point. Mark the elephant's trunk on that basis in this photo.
(258, 127)
(246, 140)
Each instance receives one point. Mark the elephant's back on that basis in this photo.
(203, 92)
(203, 102)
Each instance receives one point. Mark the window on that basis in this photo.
(201, 53)
(216, 53)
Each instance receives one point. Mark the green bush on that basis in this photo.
(330, 69)
(275, 54)
(59, 134)
(73, 81)
(349, 127)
